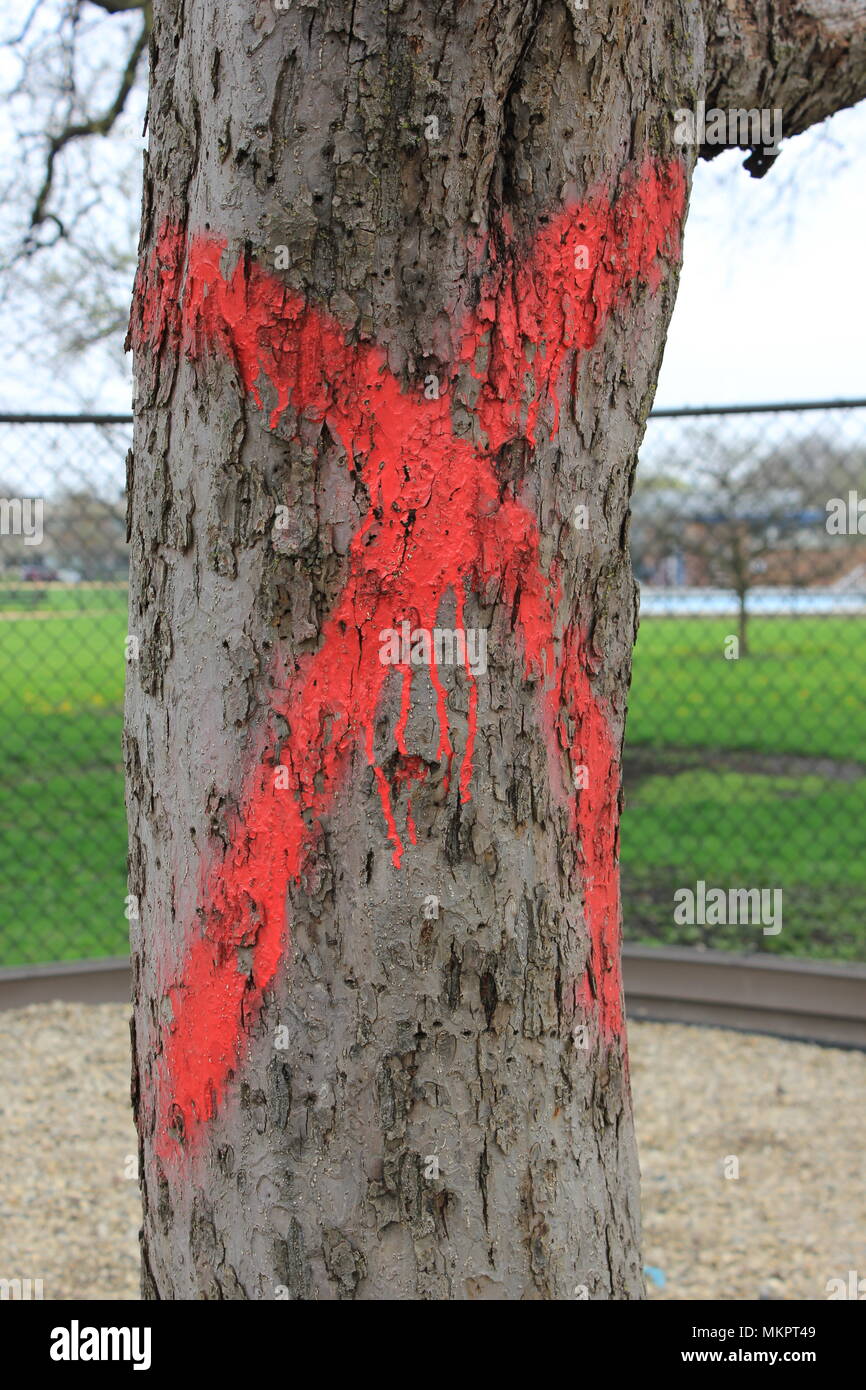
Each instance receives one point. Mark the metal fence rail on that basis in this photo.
(745, 760)
(811, 1001)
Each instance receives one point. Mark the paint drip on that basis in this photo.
(439, 524)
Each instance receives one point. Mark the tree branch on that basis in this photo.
(118, 6)
(806, 56)
(97, 125)
(19, 38)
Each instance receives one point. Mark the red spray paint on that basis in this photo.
(438, 524)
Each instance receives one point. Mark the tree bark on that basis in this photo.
(406, 273)
(806, 56)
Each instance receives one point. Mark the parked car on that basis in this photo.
(39, 574)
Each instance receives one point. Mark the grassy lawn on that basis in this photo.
(729, 819)
(62, 830)
(801, 835)
(50, 598)
(801, 690)
(718, 782)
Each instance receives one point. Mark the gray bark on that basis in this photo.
(408, 1037)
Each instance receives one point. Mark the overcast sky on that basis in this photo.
(772, 299)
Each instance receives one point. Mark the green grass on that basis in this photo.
(732, 830)
(801, 689)
(716, 785)
(62, 831)
(79, 598)
(722, 788)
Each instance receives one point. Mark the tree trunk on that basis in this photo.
(743, 623)
(406, 273)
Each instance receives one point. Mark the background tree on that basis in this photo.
(72, 77)
(731, 512)
(86, 533)
(15, 549)
(405, 278)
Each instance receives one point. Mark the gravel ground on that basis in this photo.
(792, 1115)
(68, 1213)
(788, 1113)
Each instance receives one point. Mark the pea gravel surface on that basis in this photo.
(752, 1155)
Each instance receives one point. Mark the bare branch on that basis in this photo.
(19, 38)
(118, 6)
(807, 57)
(97, 125)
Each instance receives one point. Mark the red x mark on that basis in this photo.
(438, 523)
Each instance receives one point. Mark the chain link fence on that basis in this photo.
(63, 601)
(745, 760)
(745, 764)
